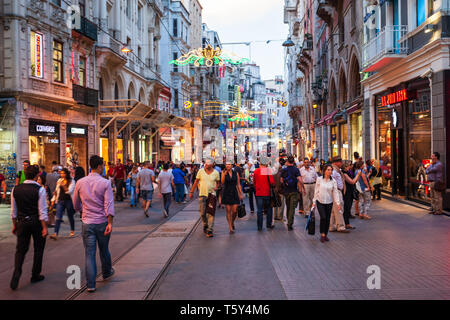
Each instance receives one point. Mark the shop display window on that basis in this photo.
(119, 150)
(419, 146)
(334, 142)
(76, 152)
(44, 150)
(357, 141)
(384, 144)
(343, 138)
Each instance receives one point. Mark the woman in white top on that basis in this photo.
(325, 193)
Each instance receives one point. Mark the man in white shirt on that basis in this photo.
(309, 177)
(337, 219)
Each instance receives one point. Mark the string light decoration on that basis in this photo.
(208, 57)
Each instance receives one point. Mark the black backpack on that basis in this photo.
(289, 181)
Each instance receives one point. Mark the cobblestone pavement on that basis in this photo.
(410, 246)
(130, 225)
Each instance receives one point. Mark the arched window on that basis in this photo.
(116, 91)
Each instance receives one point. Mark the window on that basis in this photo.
(175, 57)
(82, 5)
(175, 99)
(56, 2)
(128, 9)
(58, 61)
(420, 10)
(175, 27)
(139, 22)
(82, 71)
(36, 54)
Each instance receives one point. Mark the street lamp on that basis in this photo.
(288, 43)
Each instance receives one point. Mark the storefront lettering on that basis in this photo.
(40, 128)
(38, 57)
(77, 130)
(394, 97)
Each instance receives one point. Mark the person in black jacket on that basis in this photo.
(29, 216)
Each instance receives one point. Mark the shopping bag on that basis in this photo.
(241, 210)
(311, 223)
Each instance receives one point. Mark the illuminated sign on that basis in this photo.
(38, 55)
(77, 130)
(47, 129)
(187, 104)
(394, 118)
(394, 97)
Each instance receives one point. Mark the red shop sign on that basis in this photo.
(394, 97)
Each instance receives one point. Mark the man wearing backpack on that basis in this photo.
(292, 183)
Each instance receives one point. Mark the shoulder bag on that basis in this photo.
(275, 199)
(241, 210)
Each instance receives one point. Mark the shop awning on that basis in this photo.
(354, 108)
(327, 119)
(167, 137)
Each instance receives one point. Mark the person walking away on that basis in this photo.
(435, 172)
(248, 174)
(51, 180)
(133, 182)
(317, 166)
(207, 182)
(63, 199)
(165, 184)
(292, 183)
(21, 174)
(232, 194)
(326, 194)
(144, 184)
(119, 178)
(301, 210)
(263, 180)
(279, 211)
(29, 217)
(350, 181)
(355, 161)
(93, 195)
(309, 177)
(376, 180)
(365, 196)
(186, 181)
(337, 219)
(179, 180)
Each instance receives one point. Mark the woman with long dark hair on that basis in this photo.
(350, 181)
(325, 193)
(232, 194)
(63, 198)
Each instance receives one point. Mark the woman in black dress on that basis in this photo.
(232, 194)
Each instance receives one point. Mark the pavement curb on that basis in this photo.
(411, 203)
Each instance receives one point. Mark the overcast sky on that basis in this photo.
(250, 20)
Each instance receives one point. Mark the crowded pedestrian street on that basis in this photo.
(224, 159)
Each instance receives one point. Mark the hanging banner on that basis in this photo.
(38, 55)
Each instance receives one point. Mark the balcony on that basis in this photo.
(87, 28)
(325, 10)
(385, 48)
(85, 96)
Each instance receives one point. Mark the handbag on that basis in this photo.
(211, 204)
(358, 187)
(376, 180)
(241, 210)
(275, 200)
(311, 223)
(248, 187)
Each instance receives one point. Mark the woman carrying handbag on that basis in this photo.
(232, 194)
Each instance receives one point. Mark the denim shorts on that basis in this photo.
(147, 195)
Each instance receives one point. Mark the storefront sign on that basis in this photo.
(38, 55)
(394, 97)
(43, 129)
(75, 130)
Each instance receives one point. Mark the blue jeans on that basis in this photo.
(93, 234)
(133, 196)
(263, 203)
(167, 198)
(180, 192)
(60, 207)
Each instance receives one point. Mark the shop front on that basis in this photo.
(77, 146)
(354, 117)
(403, 117)
(104, 145)
(43, 138)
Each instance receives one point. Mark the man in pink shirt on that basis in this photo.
(93, 195)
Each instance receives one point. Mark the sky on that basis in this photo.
(250, 20)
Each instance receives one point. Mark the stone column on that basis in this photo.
(198, 141)
(62, 143)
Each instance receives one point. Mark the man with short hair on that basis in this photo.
(94, 197)
(263, 179)
(21, 174)
(207, 181)
(309, 177)
(119, 178)
(292, 183)
(29, 217)
(337, 219)
(144, 183)
(179, 178)
(165, 183)
(435, 175)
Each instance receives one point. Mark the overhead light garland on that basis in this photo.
(208, 57)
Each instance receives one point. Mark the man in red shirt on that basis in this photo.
(261, 178)
(119, 177)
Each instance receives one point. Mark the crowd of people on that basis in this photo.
(40, 199)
